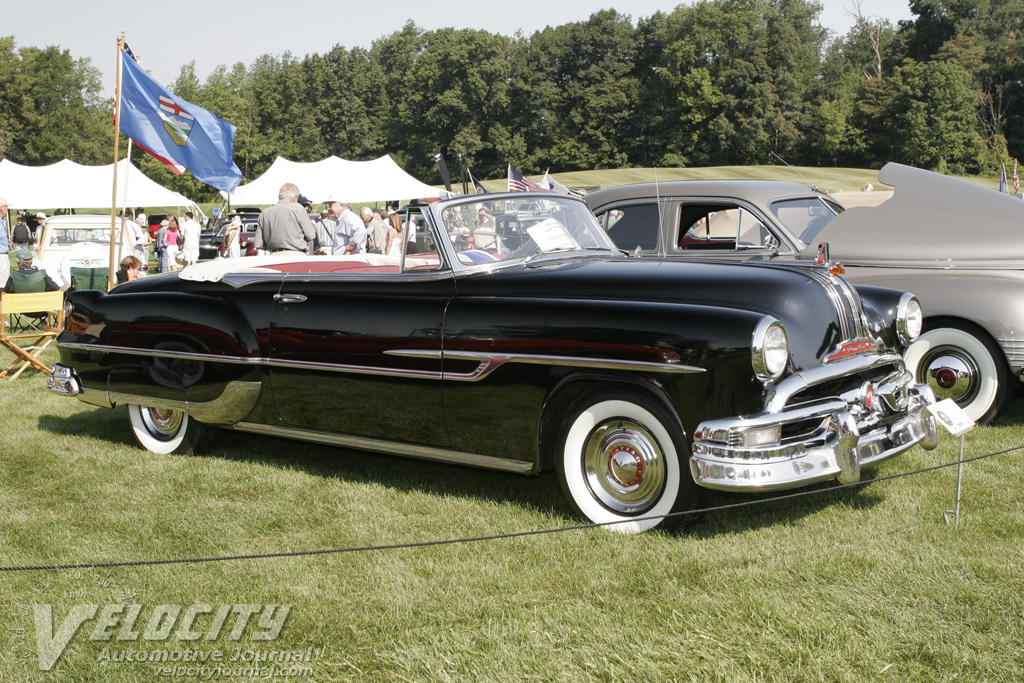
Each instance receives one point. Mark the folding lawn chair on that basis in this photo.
(89, 278)
(27, 284)
(51, 304)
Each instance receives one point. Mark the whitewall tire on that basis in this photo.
(165, 431)
(962, 363)
(621, 457)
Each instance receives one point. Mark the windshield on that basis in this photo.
(521, 228)
(804, 217)
(73, 234)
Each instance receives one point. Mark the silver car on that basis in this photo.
(956, 245)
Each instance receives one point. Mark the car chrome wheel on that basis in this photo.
(164, 430)
(161, 423)
(961, 363)
(624, 466)
(621, 460)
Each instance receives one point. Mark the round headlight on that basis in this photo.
(770, 349)
(909, 319)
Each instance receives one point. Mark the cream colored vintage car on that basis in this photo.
(954, 244)
(79, 241)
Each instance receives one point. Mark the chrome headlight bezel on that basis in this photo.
(909, 319)
(769, 349)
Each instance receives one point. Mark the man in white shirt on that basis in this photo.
(350, 233)
(190, 230)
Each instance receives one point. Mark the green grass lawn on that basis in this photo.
(860, 584)
(828, 179)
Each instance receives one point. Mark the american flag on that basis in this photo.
(1016, 178)
(517, 182)
(130, 53)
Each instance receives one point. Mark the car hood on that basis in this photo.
(932, 218)
(819, 311)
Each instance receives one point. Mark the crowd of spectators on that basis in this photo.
(289, 225)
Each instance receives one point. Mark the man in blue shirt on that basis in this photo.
(5, 245)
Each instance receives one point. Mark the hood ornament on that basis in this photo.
(823, 259)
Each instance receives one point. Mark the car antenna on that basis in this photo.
(814, 188)
(657, 196)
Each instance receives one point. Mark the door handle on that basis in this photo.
(289, 298)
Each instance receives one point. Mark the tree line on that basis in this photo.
(718, 82)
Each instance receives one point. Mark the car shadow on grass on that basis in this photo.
(539, 494)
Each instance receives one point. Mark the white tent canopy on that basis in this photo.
(66, 184)
(355, 181)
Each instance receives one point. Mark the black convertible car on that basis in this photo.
(522, 343)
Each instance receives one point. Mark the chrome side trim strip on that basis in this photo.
(390, 447)
(489, 362)
(237, 400)
(164, 353)
(351, 369)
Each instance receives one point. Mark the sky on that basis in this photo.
(213, 32)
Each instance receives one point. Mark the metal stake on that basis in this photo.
(959, 477)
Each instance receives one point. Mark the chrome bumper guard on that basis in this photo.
(63, 381)
(831, 439)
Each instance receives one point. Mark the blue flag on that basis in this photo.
(480, 189)
(1002, 180)
(176, 131)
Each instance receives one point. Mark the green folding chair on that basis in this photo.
(27, 283)
(89, 278)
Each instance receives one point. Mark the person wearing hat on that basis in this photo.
(349, 231)
(233, 235)
(25, 267)
(5, 245)
(38, 233)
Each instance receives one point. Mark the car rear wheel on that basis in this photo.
(961, 362)
(621, 458)
(162, 430)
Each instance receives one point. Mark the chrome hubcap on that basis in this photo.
(162, 424)
(624, 466)
(951, 373)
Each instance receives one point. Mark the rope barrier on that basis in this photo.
(493, 537)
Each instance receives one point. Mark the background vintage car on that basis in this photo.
(79, 241)
(543, 347)
(211, 244)
(954, 244)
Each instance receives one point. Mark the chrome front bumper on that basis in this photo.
(826, 441)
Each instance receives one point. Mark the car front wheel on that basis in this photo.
(164, 431)
(621, 459)
(961, 362)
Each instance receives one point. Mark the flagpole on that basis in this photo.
(127, 169)
(113, 192)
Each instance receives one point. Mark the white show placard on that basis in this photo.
(951, 416)
(551, 235)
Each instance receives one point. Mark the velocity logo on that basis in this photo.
(127, 623)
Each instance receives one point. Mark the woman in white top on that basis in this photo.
(394, 238)
(231, 237)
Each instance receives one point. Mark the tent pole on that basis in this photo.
(117, 138)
